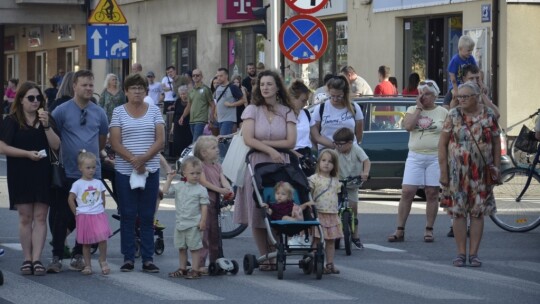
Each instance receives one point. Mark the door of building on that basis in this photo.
(40, 69)
(181, 51)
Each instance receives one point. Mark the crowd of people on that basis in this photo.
(449, 147)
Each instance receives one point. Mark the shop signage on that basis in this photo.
(303, 38)
(306, 6)
(333, 7)
(107, 42)
(486, 12)
(242, 9)
(107, 12)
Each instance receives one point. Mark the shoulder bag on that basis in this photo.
(58, 174)
(234, 162)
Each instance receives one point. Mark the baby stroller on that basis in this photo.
(264, 177)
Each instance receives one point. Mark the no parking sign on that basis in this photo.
(303, 39)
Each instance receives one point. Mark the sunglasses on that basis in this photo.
(427, 83)
(33, 98)
(465, 96)
(82, 118)
(340, 144)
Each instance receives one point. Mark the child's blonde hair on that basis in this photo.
(334, 157)
(203, 143)
(190, 160)
(465, 41)
(84, 155)
(288, 188)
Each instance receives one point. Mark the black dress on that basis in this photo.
(28, 181)
(182, 136)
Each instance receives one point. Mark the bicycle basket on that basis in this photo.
(526, 141)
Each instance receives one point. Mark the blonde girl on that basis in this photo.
(87, 201)
(325, 186)
(212, 178)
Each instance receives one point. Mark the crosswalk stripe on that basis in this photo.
(14, 246)
(524, 265)
(383, 248)
(401, 286)
(155, 287)
(290, 288)
(465, 273)
(18, 289)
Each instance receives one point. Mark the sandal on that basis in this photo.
(428, 238)
(474, 261)
(87, 270)
(178, 273)
(330, 269)
(26, 268)
(394, 238)
(459, 261)
(105, 270)
(39, 269)
(192, 274)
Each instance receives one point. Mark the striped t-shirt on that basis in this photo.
(138, 135)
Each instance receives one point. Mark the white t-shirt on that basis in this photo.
(303, 126)
(352, 163)
(88, 196)
(334, 119)
(424, 138)
(154, 91)
(169, 83)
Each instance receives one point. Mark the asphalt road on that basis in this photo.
(408, 272)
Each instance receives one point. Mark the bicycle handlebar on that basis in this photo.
(355, 180)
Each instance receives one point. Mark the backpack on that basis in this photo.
(308, 114)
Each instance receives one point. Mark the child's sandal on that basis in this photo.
(87, 270)
(178, 273)
(26, 268)
(39, 270)
(330, 269)
(105, 270)
(193, 274)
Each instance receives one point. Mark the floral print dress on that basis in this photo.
(467, 188)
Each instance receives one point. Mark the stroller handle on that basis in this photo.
(292, 157)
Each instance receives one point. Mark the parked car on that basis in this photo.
(386, 141)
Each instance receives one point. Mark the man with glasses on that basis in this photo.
(82, 125)
(200, 106)
(154, 88)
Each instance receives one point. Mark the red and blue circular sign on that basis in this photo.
(303, 39)
(306, 6)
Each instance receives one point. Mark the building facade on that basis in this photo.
(407, 35)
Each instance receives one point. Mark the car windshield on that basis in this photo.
(386, 116)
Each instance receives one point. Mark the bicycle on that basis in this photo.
(522, 159)
(518, 203)
(346, 213)
(101, 15)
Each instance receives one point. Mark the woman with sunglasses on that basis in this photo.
(26, 138)
(469, 140)
(424, 121)
(336, 112)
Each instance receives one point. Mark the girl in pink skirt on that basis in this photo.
(325, 186)
(87, 202)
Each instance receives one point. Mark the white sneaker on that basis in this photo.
(299, 241)
(1, 252)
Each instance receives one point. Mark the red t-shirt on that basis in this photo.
(409, 93)
(385, 88)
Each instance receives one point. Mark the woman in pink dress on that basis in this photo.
(271, 111)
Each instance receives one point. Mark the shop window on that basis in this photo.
(243, 47)
(12, 67)
(181, 51)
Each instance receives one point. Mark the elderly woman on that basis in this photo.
(112, 95)
(469, 141)
(269, 123)
(181, 132)
(137, 136)
(27, 131)
(424, 121)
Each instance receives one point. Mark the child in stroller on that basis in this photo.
(284, 207)
(264, 178)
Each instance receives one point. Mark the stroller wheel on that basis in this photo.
(159, 246)
(137, 248)
(280, 269)
(236, 267)
(249, 263)
(1, 278)
(319, 262)
(337, 243)
(306, 263)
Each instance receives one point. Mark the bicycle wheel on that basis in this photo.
(520, 159)
(229, 228)
(100, 16)
(346, 223)
(513, 215)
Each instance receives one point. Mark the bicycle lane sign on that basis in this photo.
(303, 38)
(107, 12)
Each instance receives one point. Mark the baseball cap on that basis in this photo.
(150, 74)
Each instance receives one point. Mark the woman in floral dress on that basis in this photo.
(462, 168)
(112, 95)
(424, 121)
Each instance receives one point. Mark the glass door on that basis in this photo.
(40, 70)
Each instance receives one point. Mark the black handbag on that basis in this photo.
(526, 140)
(58, 174)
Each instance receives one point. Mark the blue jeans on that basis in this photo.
(137, 204)
(197, 130)
(225, 128)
